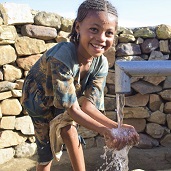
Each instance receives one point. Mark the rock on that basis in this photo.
(163, 31)
(167, 107)
(164, 46)
(111, 77)
(144, 33)
(20, 83)
(139, 40)
(48, 19)
(110, 89)
(166, 94)
(154, 80)
(126, 49)
(11, 107)
(8, 34)
(90, 142)
(137, 100)
(155, 102)
(29, 46)
(86, 133)
(124, 30)
(32, 139)
(110, 103)
(157, 117)
(169, 121)
(111, 114)
(16, 93)
(139, 160)
(131, 58)
(62, 37)
(155, 130)
(6, 154)
(138, 124)
(16, 13)
(12, 73)
(7, 54)
(167, 83)
(10, 138)
(126, 38)
(7, 85)
(50, 45)
(100, 141)
(39, 32)
(136, 112)
(27, 62)
(144, 87)
(149, 45)
(157, 55)
(166, 141)
(7, 122)
(66, 24)
(110, 55)
(5, 95)
(25, 125)
(25, 150)
(147, 142)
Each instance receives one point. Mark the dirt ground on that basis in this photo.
(158, 159)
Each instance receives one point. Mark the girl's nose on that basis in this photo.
(101, 37)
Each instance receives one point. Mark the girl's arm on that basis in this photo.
(88, 122)
(132, 136)
(94, 113)
(101, 124)
(79, 116)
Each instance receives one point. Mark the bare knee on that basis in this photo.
(69, 132)
(44, 167)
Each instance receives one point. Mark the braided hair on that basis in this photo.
(84, 8)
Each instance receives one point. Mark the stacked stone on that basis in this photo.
(26, 34)
(148, 105)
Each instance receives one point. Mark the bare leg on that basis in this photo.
(70, 137)
(43, 167)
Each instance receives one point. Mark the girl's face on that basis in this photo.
(97, 33)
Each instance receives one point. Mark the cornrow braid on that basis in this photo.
(84, 8)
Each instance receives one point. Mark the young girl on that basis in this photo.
(68, 71)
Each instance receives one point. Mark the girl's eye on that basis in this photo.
(94, 30)
(109, 33)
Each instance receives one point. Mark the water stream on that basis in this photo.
(115, 160)
(120, 103)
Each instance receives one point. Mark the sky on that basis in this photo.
(132, 13)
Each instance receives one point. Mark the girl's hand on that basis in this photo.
(132, 135)
(118, 138)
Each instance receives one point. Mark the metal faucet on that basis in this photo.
(125, 69)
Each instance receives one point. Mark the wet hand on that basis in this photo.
(113, 139)
(131, 133)
(118, 138)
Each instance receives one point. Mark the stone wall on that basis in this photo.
(26, 34)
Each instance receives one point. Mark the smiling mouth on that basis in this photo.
(98, 46)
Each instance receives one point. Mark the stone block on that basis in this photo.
(16, 13)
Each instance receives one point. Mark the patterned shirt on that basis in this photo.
(56, 75)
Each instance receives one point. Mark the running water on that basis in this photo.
(117, 160)
(120, 103)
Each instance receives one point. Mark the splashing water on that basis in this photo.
(117, 160)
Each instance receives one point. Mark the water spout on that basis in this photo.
(125, 69)
(123, 72)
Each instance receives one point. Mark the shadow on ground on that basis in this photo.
(158, 159)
